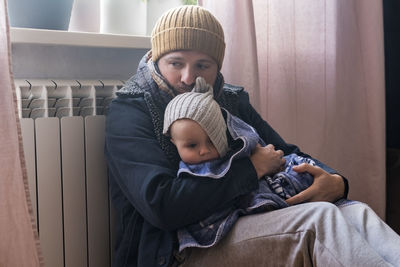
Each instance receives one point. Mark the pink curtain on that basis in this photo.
(18, 238)
(315, 71)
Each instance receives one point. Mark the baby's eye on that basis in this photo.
(191, 145)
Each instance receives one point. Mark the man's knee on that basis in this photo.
(320, 205)
(303, 217)
(318, 209)
(316, 217)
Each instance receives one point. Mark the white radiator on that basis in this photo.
(63, 124)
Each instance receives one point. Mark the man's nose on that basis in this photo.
(188, 76)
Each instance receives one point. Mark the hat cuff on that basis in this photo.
(188, 38)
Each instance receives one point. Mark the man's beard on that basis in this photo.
(182, 88)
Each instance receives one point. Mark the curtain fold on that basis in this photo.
(240, 65)
(19, 245)
(317, 76)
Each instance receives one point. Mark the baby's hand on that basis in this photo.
(202, 86)
(266, 160)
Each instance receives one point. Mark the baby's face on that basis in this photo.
(193, 144)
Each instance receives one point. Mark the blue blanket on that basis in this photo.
(269, 196)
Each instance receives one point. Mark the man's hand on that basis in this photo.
(266, 160)
(326, 186)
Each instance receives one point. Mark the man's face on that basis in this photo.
(181, 68)
(192, 142)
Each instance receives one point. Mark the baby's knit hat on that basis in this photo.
(188, 27)
(199, 105)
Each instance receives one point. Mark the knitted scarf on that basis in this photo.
(156, 91)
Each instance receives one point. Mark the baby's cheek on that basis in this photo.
(186, 156)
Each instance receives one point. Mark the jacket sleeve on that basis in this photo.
(270, 136)
(139, 167)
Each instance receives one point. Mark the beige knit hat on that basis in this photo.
(200, 106)
(188, 28)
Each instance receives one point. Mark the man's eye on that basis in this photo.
(176, 64)
(202, 66)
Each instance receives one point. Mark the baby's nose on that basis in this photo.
(204, 150)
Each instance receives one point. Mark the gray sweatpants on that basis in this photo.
(310, 234)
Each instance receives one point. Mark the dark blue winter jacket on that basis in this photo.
(150, 200)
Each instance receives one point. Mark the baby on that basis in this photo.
(198, 128)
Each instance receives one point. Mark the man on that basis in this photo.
(152, 203)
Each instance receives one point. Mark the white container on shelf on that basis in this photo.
(123, 17)
(85, 16)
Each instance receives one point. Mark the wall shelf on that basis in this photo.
(51, 54)
(83, 39)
